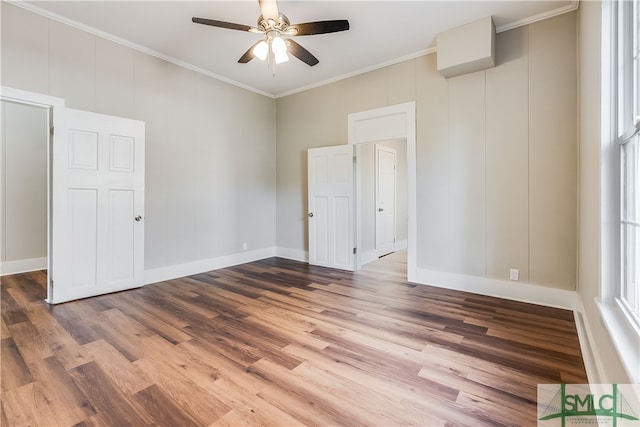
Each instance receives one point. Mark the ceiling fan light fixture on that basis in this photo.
(273, 24)
(261, 50)
(281, 57)
(278, 46)
(279, 49)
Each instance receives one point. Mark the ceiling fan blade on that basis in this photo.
(269, 9)
(248, 55)
(301, 53)
(222, 24)
(320, 27)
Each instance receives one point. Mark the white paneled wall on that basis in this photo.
(507, 155)
(496, 156)
(150, 94)
(466, 175)
(553, 152)
(115, 78)
(72, 64)
(181, 154)
(210, 146)
(24, 32)
(433, 196)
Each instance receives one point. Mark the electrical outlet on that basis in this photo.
(514, 274)
(244, 246)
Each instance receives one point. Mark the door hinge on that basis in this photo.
(52, 130)
(354, 251)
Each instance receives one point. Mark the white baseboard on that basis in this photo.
(187, 269)
(590, 354)
(23, 266)
(492, 287)
(516, 291)
(293, 254)
(525, 292)
(400, 245)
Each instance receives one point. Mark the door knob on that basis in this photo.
(380, 209)
(310, 214)
(138, 218)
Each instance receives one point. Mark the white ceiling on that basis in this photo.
(382, 32)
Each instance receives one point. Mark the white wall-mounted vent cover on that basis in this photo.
(467, 48)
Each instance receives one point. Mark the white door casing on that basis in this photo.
(395, 122)
(49, 103)
(331, 207)
(97, 204)
(385, 170)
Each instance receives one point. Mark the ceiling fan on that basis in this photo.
(274, 25)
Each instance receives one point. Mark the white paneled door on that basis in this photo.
(385, 200)
(97, 205)
(331, 207)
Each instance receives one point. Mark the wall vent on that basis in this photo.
(467, 48)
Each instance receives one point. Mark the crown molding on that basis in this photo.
(107, 36)
(539, 17)
(59, 18)
(358, 72)
(516, 24)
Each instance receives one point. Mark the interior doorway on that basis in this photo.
(36, 113)
(391, 268)
(392, 123)
(23, 189)
(383, 198)
(91, 216)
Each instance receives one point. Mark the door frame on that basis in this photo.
(50, 103)
(382, 124)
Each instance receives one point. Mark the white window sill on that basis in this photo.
(625, 337)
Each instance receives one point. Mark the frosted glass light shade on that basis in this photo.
(281, 57)
(261, 50)
(278, 46)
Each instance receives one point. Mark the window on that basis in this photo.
(620, 183)
(626, 72)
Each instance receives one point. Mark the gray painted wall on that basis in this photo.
(496, 155)
(210, 146)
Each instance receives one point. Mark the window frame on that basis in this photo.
(626, 130)
(621, 324)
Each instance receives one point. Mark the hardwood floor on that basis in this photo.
(280, 343)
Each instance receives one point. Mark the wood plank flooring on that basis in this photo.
(279, 343)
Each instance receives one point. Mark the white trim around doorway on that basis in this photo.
(382, 124)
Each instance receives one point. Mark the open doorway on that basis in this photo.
(23, 191)
(91, 174)
(392, 123)
(383, 201)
